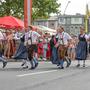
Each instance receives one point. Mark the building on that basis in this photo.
(71, 23)
(52, 22)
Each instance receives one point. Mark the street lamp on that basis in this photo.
(66, 6)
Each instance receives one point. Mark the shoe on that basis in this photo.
(83, 65)
(32, 68)
(58, 64)
(78, 65)
(25, 67)
(61, 67)
(4, 64)
(22, 64)
(36, 65)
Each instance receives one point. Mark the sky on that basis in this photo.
(75, 6)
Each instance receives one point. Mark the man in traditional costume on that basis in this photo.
(62, 45)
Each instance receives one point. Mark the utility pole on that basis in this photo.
(86, 18)
(27, 12)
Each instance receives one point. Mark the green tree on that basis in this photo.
(43, 8)
(12, 7)
(40, 8)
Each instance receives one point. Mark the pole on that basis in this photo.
(27, 12)
(66, 6)
(86, 18)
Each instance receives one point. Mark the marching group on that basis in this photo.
(63, 47)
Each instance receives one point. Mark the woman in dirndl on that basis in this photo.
(81, 50)
(21, 52)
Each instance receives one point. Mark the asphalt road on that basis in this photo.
(45, 77)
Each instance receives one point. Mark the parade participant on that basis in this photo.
(54, 53)
(62, 44)
(32, 47)
(81, 50)
(21, 52)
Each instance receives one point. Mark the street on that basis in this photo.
(45, 77)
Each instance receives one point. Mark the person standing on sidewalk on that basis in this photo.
(81, 50)
(45, 48)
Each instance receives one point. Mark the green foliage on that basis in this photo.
(41, 8)
(12, 7)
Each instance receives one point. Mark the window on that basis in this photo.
(61, 20)
(76, 20)
(68, 21)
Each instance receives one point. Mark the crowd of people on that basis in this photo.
(59, 48)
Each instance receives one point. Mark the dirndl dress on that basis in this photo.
(21, 52)
(54, 57)
(81, 50)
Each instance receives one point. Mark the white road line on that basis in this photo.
(36, 73)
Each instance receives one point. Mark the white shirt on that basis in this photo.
(34, 35)
(86, 36)
(17, 36)
(26, 36)
(65, 37)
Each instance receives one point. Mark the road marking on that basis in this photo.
(36, 73)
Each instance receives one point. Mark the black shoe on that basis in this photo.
(61, 67)
(4, 64)
(83, 65)
(32, 68)
(36, 65)
(25, 67)
(78, 65)
(58, 64)
(22, 64)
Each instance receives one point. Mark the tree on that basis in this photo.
(12, 7)
(40, 8)
(43, 8)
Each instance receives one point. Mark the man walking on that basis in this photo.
(62, 44)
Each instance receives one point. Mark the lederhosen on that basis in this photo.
(30, 48)
(61, 48)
